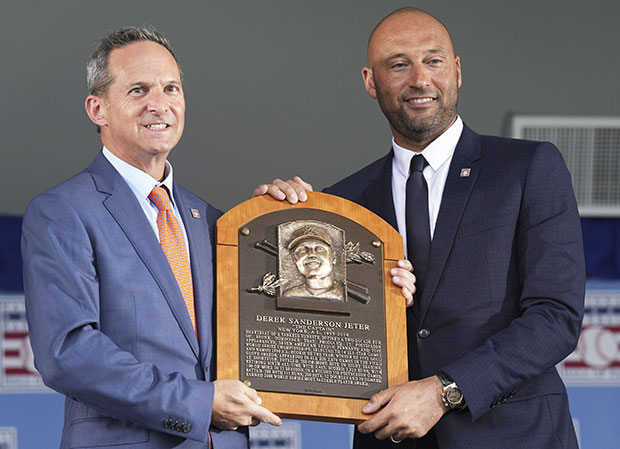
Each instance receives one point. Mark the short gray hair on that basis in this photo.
(98, 77)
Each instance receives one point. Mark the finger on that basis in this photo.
(264, 415)
(260, 190)
(405, 264)
(288, 189)
(404, 280)
(371, 425)
(408, 295)
(306, 185)
(387, 432)
(300, 187)
(407, 278)
(276, 192)
(385, 422)
(299, 190)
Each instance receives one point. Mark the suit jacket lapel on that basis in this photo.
(201, 255)
(455, 196)
(123, 206)
(379, 192)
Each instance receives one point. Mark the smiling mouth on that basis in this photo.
(313, 263)
(424, 100)
(157, 126)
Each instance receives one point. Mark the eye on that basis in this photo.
(173, 88)
(399, 65)
(136, 90)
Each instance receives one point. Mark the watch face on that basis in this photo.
(454, 396)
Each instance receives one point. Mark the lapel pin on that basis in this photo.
(465, 172)
(195, 213)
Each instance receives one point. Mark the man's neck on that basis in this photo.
(152, 164)
(417, 143)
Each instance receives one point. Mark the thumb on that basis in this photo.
(378, 400)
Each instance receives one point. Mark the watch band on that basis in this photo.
(444, 378)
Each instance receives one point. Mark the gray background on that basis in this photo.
(273, 88)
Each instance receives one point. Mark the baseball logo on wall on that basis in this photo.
(17, 371)
(596, 360)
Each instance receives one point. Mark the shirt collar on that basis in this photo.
(140, 182)
(436, 153)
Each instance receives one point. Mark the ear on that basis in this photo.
(369, 82)
(459, 76)
(96, 110)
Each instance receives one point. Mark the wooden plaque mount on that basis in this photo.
(295, 405)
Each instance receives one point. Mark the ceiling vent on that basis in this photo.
(591, 149)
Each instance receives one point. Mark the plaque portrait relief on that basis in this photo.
(316, 258)
(304, 304)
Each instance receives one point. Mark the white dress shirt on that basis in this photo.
(438, 154)
(141, 184)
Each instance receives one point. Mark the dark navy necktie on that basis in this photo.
(417, 219)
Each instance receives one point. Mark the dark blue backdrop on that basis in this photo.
(601, 239)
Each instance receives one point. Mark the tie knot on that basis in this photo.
(418, 162)
(159, 197)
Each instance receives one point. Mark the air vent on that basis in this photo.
(591, 149)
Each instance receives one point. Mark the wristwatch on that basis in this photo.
(451, 396)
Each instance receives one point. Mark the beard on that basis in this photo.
(419, 127)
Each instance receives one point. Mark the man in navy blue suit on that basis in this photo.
(109, 323)
(501, 281)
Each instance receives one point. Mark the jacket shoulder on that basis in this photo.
(213, 213)
(354, 185)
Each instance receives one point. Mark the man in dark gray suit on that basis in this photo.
(498, 258)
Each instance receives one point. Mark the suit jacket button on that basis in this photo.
(423, 333)
(187, 428)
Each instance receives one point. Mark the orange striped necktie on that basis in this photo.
(172, 242)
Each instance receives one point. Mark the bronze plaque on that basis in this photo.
(310, 305)
(311, 315)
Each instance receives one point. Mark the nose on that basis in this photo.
(419, 76)
(311, 252)
(157, 102)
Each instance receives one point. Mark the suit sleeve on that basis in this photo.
(551, 278)
(74, 357)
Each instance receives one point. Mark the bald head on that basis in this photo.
(402, 19)
(414, 74)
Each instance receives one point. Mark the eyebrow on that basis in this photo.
(395, 55)
(429, 51)
(149, 83)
